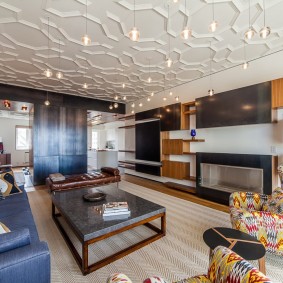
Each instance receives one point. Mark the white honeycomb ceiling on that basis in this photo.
(112, 58)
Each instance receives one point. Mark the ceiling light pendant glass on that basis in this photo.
(149, 80)
(140, 104)
(133, 105)
(134, 34)
(148, 99)
(124, 97)
(116, 105)
(169, 62)
(214, 24)
(133, 111)
(86, 39)
(177, 98)
(186, 33)
(211, 92)
(85, 85)
(59, 75)
(152, 94)
(170, 93)
(164, 98)
(265, 31)
(110, 106)
(116, 97)
(245, 65)
(249, 34)
(47, 102)
(123, 85)
(48, 72)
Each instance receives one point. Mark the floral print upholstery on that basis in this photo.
(254, 214)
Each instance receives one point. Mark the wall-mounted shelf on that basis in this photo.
(127, 127)
(178, 146)
(130, 151)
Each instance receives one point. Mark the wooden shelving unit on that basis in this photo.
(178, 146)
(187, 109)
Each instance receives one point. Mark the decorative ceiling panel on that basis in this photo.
(113, 59)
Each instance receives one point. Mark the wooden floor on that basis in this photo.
(157, 186)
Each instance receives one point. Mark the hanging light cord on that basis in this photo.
(245, 51)
(213, 10)
(210, 65)
(134, 13)
(169, 45)
(249, 13)
(86, 17)
(59, 54)
(264, 13)
(48, 41)
(149, 67)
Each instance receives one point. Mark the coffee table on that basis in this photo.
(242, 243)
(86, 221)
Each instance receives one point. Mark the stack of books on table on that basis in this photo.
(118, 208)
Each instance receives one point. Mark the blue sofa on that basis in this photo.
(23, 257)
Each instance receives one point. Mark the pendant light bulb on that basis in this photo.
(169, 62)
(123, 85)
(86, 40)
(170, 93)
(211, 92)
(177, 98)
(149, 80)
(85, 86)
(148, 99)
(59, 75)
(48, 73)
(175, 1)
(133, 105)
(245, 65)
(213, 26)
(116, 105)
(47, 102)
(265, 32)
(164, 98)
(116, 97)
(249, 34)
(140, 104)
(186, 33)
(133, 111)
(134, 34)
(152, 94)
(111, 107)
(124, 97)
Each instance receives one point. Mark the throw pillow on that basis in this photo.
(4, 228)
(8, 184)
(275, 203)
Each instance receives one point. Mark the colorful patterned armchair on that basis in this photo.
(225, 266)
(260, 216)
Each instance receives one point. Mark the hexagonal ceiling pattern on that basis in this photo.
(112, 59)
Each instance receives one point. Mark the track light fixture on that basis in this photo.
(265, 31)
(86, 39)
(48, 72)
(134, 34)
(250, 32)
(186, 32)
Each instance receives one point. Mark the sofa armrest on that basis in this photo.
(110, 170)
(28, 264)
(13, 240)
(247, 200)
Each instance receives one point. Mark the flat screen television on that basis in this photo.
(243, 106)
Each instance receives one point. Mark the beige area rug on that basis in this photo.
(182, 253)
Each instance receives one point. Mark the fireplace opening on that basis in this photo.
(231, 178)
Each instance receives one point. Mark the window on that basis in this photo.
(94, 140)
(23, 137)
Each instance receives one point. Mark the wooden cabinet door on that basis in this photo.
(277, 93)
(175, 169)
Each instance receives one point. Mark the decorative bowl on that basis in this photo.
(98, 196)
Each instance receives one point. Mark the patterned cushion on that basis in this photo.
(8, 185)
(4, 228)
(118, 278)
(275, 203)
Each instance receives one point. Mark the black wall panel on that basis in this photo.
(170, 117)
(148, 141)
(59, 141)
(242, 106)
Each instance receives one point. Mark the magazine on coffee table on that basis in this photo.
(115, 208)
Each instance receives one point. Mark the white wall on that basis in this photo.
(8, 133)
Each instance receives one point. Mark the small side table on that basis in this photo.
(242, 243)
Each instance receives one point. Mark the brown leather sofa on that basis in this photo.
(107, 175)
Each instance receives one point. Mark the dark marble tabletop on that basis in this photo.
(86, 217)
